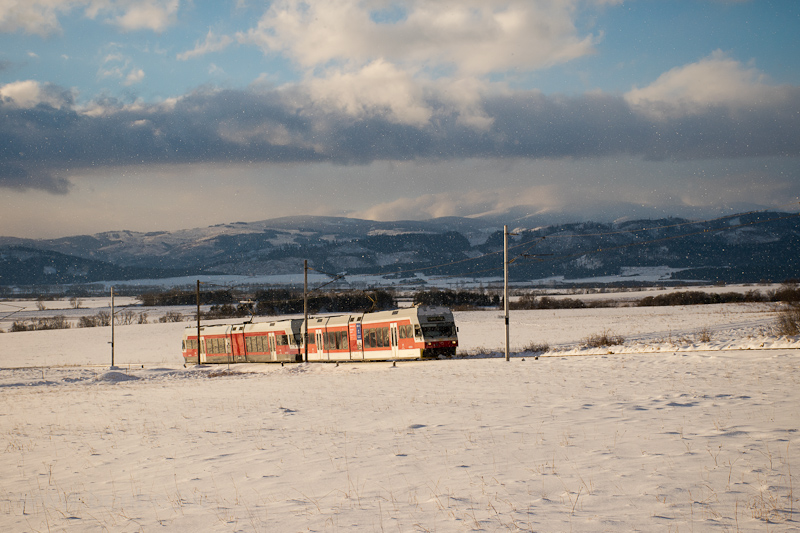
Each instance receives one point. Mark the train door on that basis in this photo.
(320, 345)
(202, 348)
(393, 338)
(237, 344)
(354, 339)
(272, 350)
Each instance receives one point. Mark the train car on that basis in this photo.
(414, 333)
(243, 343)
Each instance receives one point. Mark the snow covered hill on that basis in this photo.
(744, 248)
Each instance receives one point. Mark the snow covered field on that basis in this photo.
(690, 425)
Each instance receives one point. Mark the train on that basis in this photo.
(412, 333)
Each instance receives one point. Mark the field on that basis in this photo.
(690, 425)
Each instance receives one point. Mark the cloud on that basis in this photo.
(134, 76)
(17, 177)
(468, 38)
(117, 65)
(379, 113)
(28, 94)
(717, 80)
(212, 43)
(155, 15)
(378, 88)
(41, 17)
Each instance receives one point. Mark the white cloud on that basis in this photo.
(717, 80)
(41, 17)
(367, 57)
(155, 15)
(377, 87)
(470, 37)
(29, 93)
(134, 76)
(117, 65)
(213, 43)
(38, 17)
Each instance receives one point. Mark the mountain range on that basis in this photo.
(747, 247)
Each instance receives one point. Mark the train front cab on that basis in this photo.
(437, 330)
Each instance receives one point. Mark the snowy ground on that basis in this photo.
(691, 425)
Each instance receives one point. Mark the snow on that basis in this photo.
(668, 432)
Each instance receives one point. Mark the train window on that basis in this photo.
(373, 338)
(385, 332)
(417, 331)
(442, 330)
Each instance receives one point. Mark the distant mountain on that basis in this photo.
(21, 265)
(744, 248)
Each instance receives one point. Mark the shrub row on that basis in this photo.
(461, 299)
(701, 298)
(52, 322)
(282, 301)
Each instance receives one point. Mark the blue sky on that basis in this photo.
(165, 114)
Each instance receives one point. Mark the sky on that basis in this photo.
(152, 115)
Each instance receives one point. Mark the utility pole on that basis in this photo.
(197, 293)
(505, 282)
(305, 309)
(112, 327)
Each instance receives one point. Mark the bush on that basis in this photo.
(534, 347)
(787, 293)
(603, 339)
(456, 299)
(88, 322)
(53, 322)
(171, 316)
(701, 298)
(529, 301)
(788, 322)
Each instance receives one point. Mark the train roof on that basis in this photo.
(416, 314)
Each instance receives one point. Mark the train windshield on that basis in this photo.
(431, 331)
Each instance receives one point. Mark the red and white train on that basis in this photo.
(414, 333)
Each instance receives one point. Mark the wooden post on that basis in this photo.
(305, 309)
(112, 327)
(505, 282)
(197, 293)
